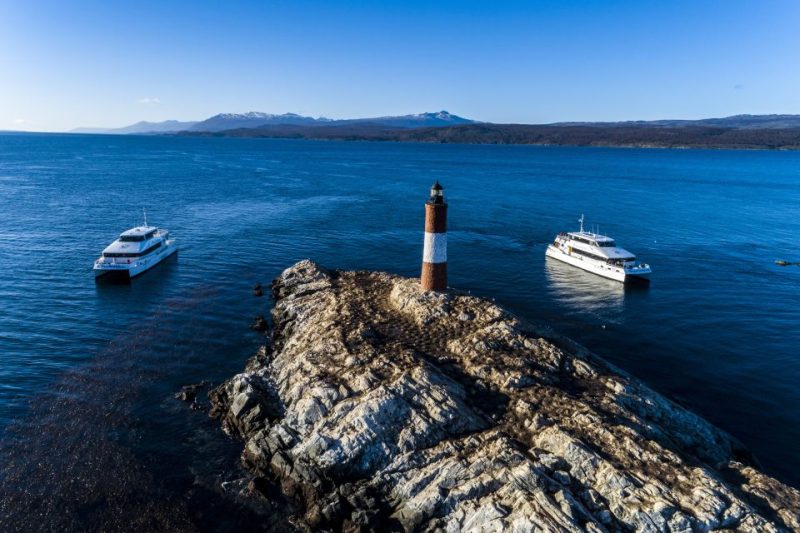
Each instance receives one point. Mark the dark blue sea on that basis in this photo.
(90, 431)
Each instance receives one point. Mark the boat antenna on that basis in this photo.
(581, 221)
(144, 211)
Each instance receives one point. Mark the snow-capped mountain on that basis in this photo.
(253, 119)
(421, 120)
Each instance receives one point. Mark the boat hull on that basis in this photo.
(135, 267)
(622, 275)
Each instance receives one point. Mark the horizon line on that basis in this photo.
(323, 117)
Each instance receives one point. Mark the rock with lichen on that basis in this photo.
(383, 407)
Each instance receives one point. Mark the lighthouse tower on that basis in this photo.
(434, 255)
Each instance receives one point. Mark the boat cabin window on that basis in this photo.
(581, 239)
(588, 254)
(133, 254)
(606, 244)
(137, 238)
(621, 261)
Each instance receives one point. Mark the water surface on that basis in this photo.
(90, 369)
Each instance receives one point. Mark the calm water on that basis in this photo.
(87, 371)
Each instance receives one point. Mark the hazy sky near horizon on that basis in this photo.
(109, 64)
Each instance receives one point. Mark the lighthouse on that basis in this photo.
(434, 254)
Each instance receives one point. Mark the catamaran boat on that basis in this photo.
(135, 251)
(598, 254)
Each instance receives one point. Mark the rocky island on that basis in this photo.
(377, 406)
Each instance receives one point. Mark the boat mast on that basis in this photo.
(581, 221)
(144, 211)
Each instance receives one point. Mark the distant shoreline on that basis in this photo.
(787, 140)
(694, 137)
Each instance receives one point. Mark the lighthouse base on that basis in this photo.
(434, 277)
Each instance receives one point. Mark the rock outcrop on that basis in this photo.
(378, 406)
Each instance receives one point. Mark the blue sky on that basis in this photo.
(93, 63)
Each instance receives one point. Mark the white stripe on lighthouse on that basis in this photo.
(435, 250)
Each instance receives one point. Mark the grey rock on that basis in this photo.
(562, 477)
(381, 407)
(188, 393)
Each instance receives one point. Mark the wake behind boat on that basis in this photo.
(598, 254)
(136, 251)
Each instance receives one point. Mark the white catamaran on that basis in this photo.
(598, 254)
(135, 251)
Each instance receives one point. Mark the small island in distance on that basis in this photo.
(770, 132)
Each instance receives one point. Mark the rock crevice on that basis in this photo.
(380, 406)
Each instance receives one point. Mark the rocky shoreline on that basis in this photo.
(376, 406)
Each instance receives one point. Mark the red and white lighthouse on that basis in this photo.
(434, 254)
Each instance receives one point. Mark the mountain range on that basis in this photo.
(739, 131)
(143, 127)
(736, 133)
(255, 119)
